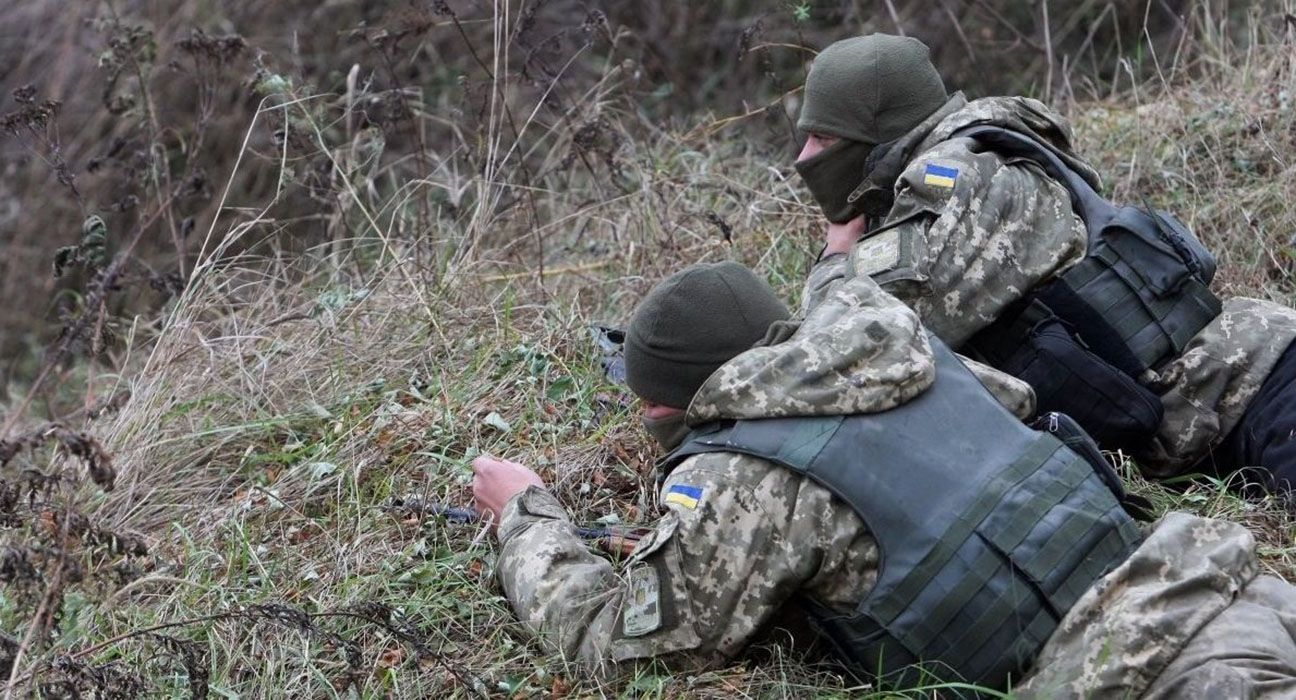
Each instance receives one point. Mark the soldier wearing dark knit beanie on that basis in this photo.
(692, 323)
(871, 89)
(866, 92)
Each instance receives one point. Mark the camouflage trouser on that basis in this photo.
(1247, 651)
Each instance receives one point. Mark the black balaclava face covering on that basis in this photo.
(834, 174)
(669, 431)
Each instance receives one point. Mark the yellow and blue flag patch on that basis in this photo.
(687, 496)
(939, 175)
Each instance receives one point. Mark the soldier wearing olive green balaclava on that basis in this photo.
(865, 91)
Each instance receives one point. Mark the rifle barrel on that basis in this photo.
(610, 538)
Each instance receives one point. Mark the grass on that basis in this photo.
(285, 403)
(283, 400)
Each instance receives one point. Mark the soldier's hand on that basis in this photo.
(842, 236)
(495, 481)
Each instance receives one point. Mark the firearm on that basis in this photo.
(618, 540)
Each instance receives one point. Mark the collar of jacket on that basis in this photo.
(890, 159)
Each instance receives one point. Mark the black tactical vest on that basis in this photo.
(1087, 339)
(988, 531)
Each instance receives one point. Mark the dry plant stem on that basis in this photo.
(52, 591)
(207, 259)
(106, 278)
(55, 161)
(1003, 21)
(419, 648)
(1048, 51)
(420, 150)
(30, 675)
(802, 48)
(157, 162)
(369, 218)
(1093, 30)
(206, 108)
(1046, 59)
(895, 17)
(564, 270)
(156, 628)
(957, 23)
(704, 132)
(498, 90)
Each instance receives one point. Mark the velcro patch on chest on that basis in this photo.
(940, 175)
(642, 612)
(877, 254)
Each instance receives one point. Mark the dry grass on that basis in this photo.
(1218, 148)
(154, 99)
(285, 397)
(283, 402)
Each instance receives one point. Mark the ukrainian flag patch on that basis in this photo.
(939, 175)
(687, 496)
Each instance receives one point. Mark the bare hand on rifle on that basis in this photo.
(495, 481)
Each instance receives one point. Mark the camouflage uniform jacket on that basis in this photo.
(751, 534)
(960, 250)
(741, 537)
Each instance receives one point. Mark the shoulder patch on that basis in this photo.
(642, 612)
(940, 175)
(685, 495)
(877, 254)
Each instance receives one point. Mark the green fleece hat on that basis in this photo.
(696, 320)
(871, 89)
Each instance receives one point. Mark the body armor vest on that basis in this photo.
(988, 531)
(1132, 304)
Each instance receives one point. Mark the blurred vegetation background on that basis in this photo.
(156, 102)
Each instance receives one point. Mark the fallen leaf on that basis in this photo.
(391, 657)
(497, 422)
(475, 568)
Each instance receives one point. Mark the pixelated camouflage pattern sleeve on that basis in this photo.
(1207, 389)
(1130, 625)
(693, 593)
(559, 589)
(825, 274)
(1015, 395)
(959, 250)
(745, 544)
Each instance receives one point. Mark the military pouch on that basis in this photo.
(1062, 427)
(1040, 349)
(1142, 291)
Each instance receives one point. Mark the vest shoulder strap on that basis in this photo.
(1091, 206)
(792, 442)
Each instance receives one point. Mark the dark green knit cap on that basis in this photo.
(694, 321)
(872, 89)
